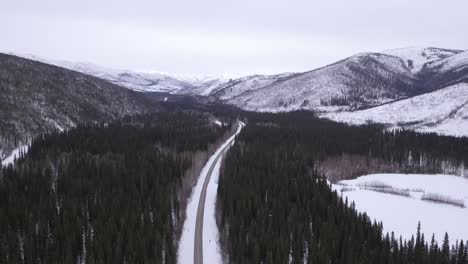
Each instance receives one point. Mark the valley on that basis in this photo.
(351, 90)
(233, 132)
(285, 168)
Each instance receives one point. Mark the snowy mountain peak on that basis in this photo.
(416, 58)
(152, 81)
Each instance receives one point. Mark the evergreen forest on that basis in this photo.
(104, 193)
(276, 206)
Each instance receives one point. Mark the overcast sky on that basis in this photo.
(216, 36)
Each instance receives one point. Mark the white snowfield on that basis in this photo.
(420, 56)
(401, 214)
(444, 111)
(211, 248)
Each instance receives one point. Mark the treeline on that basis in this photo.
(108, 193)
(345, 151)
(274, 206)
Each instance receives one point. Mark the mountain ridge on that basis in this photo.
(362, 81)
(40, 98)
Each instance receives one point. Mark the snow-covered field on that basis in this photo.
(401, 214)
(211, 249)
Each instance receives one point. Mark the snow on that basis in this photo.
(444, 111)
(211, 249)
(453, 63)
(165, 99)
(55, 124)
(234, 88)
(420, 56)
(308, 90)
(134, 80)
(401, 214)
(14, 155)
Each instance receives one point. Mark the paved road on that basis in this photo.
(198, 250)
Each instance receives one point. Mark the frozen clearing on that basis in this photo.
(14, 155)
(401, 214)
(211, 250)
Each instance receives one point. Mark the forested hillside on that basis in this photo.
(110, 193)
(38, 98)
(275, 205)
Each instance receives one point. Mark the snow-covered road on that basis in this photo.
(200, 236)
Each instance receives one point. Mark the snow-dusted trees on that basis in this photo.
(103, 193)
(439, 198)
(276, 207)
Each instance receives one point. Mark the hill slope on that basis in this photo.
(361, 81)
(444, 111)
(37, 98)
(394, 85)
(140, 81)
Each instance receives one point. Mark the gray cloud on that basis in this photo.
(208, 36)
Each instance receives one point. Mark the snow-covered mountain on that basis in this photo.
(443, 105)
(360, 81)
(39, 98)
(140, 81)
(385, 80)
(364, 79)
(418, 88)
(238, 87)
(444, 111)
(416, 58)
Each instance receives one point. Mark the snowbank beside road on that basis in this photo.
(211, 251)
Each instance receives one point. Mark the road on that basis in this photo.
(198, 244)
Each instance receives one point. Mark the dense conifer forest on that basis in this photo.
(344, 151)
(275, 205)
(116, 192)
(108, 193)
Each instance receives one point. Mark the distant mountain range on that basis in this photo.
(425, 89)
(141, 81)
(361, 81)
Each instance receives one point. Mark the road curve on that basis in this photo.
(198, 244)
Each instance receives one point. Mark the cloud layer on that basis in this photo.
(213, 37)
